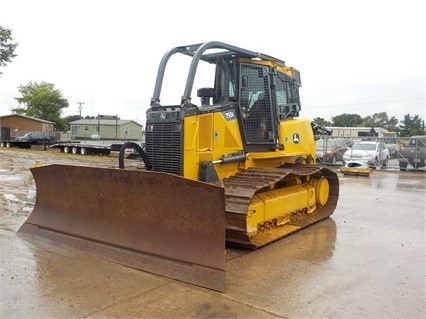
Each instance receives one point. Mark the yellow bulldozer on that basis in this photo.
(236, 167)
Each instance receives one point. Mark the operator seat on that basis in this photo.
(260, 120)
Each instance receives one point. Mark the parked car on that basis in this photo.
(393, 149)
(372, 152)
(392, 145)
(413, 153)
(349, 141)
(330, 150)
(35, 138)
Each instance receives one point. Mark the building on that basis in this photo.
(15, 125)
(358, 132)
(106, 130)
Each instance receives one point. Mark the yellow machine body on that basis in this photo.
(209, 136)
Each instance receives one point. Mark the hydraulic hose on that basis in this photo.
(137, 148)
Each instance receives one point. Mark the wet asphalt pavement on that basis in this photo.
(366, 261)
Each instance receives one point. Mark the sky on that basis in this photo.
(358, 57)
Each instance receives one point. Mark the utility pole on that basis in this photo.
(116, 126)
(99, 126)
(80, 106)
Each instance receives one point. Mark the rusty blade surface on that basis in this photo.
(152, 221)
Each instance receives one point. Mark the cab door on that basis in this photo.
(256, 106)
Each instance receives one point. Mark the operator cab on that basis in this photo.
(262, 96)
(260, 89)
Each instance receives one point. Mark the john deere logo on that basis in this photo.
(163, 116)
(296, 138)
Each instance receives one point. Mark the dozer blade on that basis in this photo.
(156, 222)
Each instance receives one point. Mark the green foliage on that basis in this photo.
(375, 120)
(7, 46)
(321, 122)
(42, 100)
(102, 117)
(381, 120)
(392, 124)
(70, 118)
(411, 125)
(346, 120)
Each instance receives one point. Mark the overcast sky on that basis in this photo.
(363, 56)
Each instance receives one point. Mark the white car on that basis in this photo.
(371, 152)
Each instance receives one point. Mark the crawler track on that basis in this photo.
(240, 189)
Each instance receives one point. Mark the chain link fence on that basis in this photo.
(385, 153)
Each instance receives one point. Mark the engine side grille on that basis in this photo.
(163, 146)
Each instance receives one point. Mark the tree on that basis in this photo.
(70, 118)
(381, 120)
(321, 122)
(375, 120)
(108, 117)
(347, 120)
(7, 47)
(43, 101)
(412, 125)
(102, 117)
(392, 124)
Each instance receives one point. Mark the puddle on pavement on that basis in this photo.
(11, 178)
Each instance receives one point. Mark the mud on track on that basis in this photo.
(366, 261)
